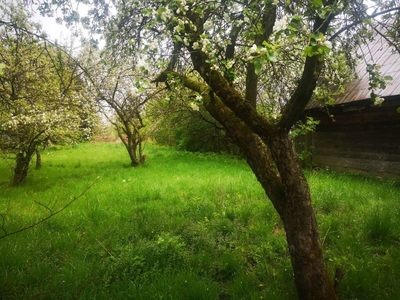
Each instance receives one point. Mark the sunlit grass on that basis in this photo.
(184, 226)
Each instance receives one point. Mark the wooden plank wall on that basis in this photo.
(358, 139)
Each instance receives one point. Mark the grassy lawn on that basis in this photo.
(184, 226)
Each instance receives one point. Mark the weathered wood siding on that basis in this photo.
(363, 139)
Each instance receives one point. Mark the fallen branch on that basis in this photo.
(52, 214)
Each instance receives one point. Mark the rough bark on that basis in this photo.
(296, 211)
(278, 169)
(289, 192)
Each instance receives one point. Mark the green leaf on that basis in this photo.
(309, 51)
(257, 66)
(370, 68)
(324, 12)
(2, 66)
(295, 24)
(178, 38)
(398, 110)
(317, 3)
(272, 57)
(278, 35)
(388, 78)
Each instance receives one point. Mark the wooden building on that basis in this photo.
(355, 135)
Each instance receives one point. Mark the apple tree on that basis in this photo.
(256, 65)
(42, 97)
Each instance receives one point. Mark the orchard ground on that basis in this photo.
(184, 226)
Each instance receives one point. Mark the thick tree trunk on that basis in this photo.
(278, 169)
(21, 168)
(296, 211)
(291, 198)
(293, 204)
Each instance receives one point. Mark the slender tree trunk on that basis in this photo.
(132, 152)
(129, 143)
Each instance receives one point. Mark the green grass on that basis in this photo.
(184, 226)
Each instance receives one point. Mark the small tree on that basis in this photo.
(122, 96)
(127, 121)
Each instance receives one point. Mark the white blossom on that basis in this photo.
(208, 25)
(328, 44)
(166, 14)
(194, 106)
(281, 24)
(182, 9)
(142, 63)
(229, 64)
(378, 101)
(134, 91)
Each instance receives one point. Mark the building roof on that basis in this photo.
(376, 52)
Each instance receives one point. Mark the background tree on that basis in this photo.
(179, 120)
(42, 97)
(121, 93)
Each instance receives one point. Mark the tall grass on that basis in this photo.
(184, 226)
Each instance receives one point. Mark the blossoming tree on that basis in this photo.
(41, 95)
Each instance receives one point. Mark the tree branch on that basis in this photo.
(162, 77)
(343, 29)
(253, 149)
(267, 23)
(304, 91)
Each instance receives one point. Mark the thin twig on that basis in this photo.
(326, 234)
(100, 243)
